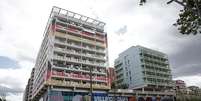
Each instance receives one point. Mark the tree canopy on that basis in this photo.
(189, 21)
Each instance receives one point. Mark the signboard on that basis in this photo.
(82, 96)
(110, 98)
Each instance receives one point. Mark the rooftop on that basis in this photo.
(75, 16)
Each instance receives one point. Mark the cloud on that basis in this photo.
(122, 30)
(13, 97)
(10, 82)
(185, 60)
(26, 58)
(22, 25)
(0, 27)
(191, 80)
(188, 70)
(6, 63)
(8, 90)
(15, 78)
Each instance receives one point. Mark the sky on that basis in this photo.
(22, 23)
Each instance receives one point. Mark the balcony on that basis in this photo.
(90, 56)
(93, 50)
(101, 44)
(150, 82)
(79, 70)
(73, 45)
(84, 40)
(62, 50)
(93, 56)
(62, 58)
(77, 76)
(73, 28)
(58, 34)
(72, 52)
(85, 34)
(73, 60)
(150, 70)
(100, 39)
(59, 42)
(87, 41)
(75, 38)
(86, 62)
(61, 22)
(76, 84)
(62, 28)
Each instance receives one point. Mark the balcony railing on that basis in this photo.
(78, 76)
(80, 47)
(75, 84)
(91, 63)
(79, 38)
(91, 56)
(79, 70)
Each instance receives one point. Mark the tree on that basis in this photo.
(189, 21)
(113, 85)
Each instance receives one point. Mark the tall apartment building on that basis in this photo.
(29, 88)
(73, 45)
(26, 93)
(142, 68)
(111, 75)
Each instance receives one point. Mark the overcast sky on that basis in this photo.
(22, 23)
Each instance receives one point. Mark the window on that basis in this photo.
(125, 62)
(126, 68)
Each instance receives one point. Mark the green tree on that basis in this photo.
(189, 21)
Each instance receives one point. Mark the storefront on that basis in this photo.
(83, 96)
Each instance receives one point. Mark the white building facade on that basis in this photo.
(139, 67)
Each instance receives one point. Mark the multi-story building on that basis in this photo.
(180, 84)
(74, 49)
(142, 68)
(111, 75)
(26, 93)
(31, 85)
(29, 88)
(194, 90)
(180, 87)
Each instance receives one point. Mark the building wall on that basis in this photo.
(70, 49)
(111, 76)
(142, 67)
(119, 95)
(130, 67)
(27, 96)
